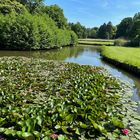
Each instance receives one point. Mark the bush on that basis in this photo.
(74, 39)
(8, 6)
(135, 42)
(26, 31)
(18, 32)
(121, 42)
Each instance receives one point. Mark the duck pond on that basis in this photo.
(47, 100)
(85, 55)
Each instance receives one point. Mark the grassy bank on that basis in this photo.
(128, 58)
(45, 99)
(99, 42)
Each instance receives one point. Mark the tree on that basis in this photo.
(124, 27)
(31, 4)
(92, 32)
(136, 16)
(8, 6)
(110, 30)
(79, 30)
(57, 14)
(135, 33)
(102, 32)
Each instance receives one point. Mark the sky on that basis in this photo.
(91, 13)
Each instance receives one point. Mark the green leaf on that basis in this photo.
(19, 133)
(37, 134)
(2, 130)
(116, 122)
(82, 125)
(61, 137)
(57, 127)
(10, 132)
(46, 138)
(27, 136)
(77, 131)
(39, 120)
(137, 136)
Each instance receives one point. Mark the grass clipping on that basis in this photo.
(46, 100)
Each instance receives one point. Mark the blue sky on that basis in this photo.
(95, 12)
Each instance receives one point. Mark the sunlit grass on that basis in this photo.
(125, 55)
(96, 42)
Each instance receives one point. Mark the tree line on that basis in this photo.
(30, 24)
(129, 28)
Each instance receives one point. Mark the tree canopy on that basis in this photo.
(124, 27)
(8, 6)
(106, 31)
(24, 26)
(57, 14)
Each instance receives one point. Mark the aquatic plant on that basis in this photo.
(44, 100)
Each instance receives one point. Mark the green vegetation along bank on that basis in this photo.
(99, 42)
(43, 27)
(127, 58)
(46, 100)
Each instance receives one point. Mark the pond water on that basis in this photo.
(88, 55)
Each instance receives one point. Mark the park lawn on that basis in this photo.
(130, 56)
(99, 42)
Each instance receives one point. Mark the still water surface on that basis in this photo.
(88, 55)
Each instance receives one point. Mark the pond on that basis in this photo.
(88, 55)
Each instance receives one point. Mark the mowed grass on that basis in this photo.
(97, 40)
(124, 55)
(100, 42)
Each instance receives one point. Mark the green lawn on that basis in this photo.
(125, 55)
(100, 42)
(97, 40)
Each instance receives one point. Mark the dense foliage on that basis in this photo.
(56, 13)
(42, 99)
(8, 6)
(106, 31)
(28, 31)
(123, 29)
(31, 5)
(128, 29)
(79, 29)
(22, 30)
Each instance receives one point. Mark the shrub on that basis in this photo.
(121, 42)
(135, 42)
(26, 31)
(74, 39)
(8, 6)
(18, 32)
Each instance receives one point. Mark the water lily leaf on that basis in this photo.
(137, 136)
(19, 133)
(82, 125)
(77, 131)
(116, 122)
(57, 127)
(37, 134)
(61, 137)
(46, 138)
(2, 130)
(39, 120)
(10, 132)
(27, 136)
